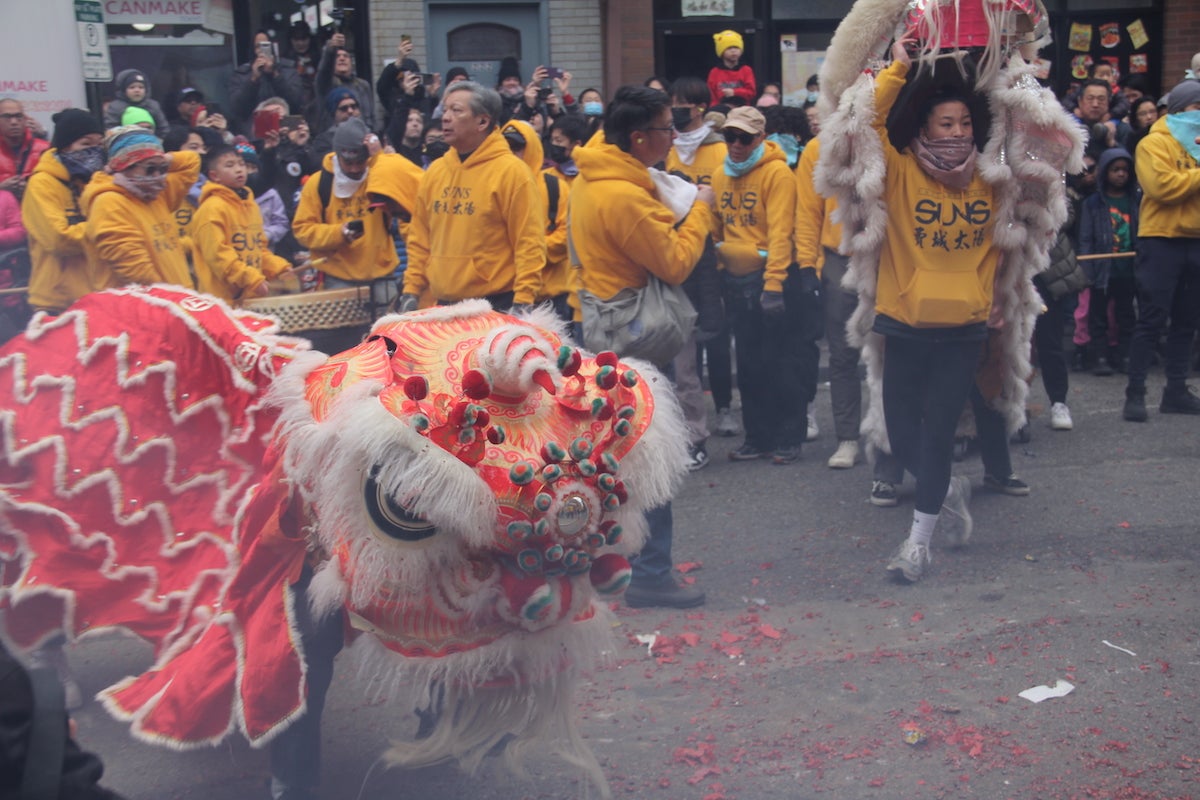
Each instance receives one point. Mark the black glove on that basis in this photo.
(404, 304)
(771, 303)
(809, 282)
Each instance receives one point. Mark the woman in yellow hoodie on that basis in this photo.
(51, 212)
(622, 232)
(233, 257)
(933, 298)
(132, 235)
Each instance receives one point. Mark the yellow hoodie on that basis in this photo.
(232, 252)
(57, 229)
(621, 231)
(757, 212)
(478, 228)
(937, 263)
(557, 277)
(1170, 180)
(815, 229)
(132, 241)
(708, 161)
(370, 256)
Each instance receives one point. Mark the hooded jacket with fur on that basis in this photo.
(57, 229)
(479, 227)
(132, 241)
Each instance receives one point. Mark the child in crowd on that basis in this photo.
(1108, 224)
(133, 91)
(729, 83)
(135, 115)
(274, 216)
(233, 259)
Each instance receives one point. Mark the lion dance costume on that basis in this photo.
(463, 485)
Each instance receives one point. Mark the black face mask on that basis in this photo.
(435, 150)
(681, 118)
(558, 154)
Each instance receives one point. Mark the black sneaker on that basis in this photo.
(1179, 400)
(697, 457)
(1012, 485)
(665, 592)
(785, 455)
(1135, 405)
(883, 494)
(748, 452)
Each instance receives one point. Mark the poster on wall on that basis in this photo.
(1080, 39)
(707, 8)
(1139, 63)
(1137, 34)
(797, 67)
(1110, 35)
(1080, 66)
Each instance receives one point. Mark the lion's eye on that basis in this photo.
(392, 519)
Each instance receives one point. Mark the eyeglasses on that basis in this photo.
(154, 170)
(13, 116)
(741, 137)
(667, 128)
(348, 107)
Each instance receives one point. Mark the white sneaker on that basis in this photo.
(813, 431)
(954, 521)
(726, 423)
(910, 561)
(1060, 417)
(845, 455)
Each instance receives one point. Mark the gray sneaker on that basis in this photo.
(954, 522)
(726, 423)
(883, 494)
(910, 561)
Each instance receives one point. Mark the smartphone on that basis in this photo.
(264, 122)
(427, 78)
(404, 37)
(212, 108)
(355, 225)
(265, 49)
(553, 72)
(291, 122)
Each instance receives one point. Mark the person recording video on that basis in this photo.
(263, 77)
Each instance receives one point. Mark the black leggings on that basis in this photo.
(925, 387)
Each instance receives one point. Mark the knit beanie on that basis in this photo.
(127, 146)
(1182, 96)
(726, 40)
(130, 76)
(71, 125)
(247, 152)
(336, 96)
(508, 69)
(136, 115)
(457, 72)
(348, 138)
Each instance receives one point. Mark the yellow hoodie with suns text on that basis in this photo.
(478, 228)
(621, 231)
(130, 240)
(232, 254)
(319, 229)
(57, 231)
(756, 213)
(937, 263)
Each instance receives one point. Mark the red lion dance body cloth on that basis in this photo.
(464, 484)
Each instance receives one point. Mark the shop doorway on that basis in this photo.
(687, 49)
(477, 37)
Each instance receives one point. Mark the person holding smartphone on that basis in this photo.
(263, 77)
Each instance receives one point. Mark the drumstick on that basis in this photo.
(1098, 256)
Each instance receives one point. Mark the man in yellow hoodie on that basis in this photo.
(1168, 260)
(132, 236)
(559, 281)
(348, 238)
(622, 232)
(51, 213)
(233, 257)
(479, 226)
(755, 222)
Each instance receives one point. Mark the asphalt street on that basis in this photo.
(810, 674)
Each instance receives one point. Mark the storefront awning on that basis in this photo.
(213, 15)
